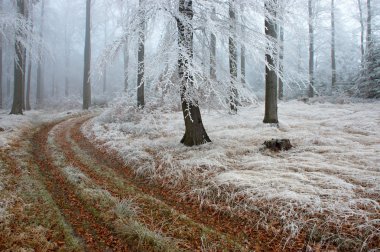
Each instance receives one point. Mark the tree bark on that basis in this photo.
(333, 62)
(67, 59)
(87, 60)
(18, 66)
(311, 50)
(141, 56)
(40, 70)
(233, 57)
(195, 133)
(271, 76)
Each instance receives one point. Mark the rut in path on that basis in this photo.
(110, 174)
(95, 236)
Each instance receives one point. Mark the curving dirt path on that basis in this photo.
(108, 209)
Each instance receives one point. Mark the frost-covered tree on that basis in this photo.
(233, 56)
(311, 49)
(195, 133)
(40, 67)
(141, 56)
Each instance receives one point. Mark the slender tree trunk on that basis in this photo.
(18, 66)
(40, 70)
(87, 59)
(67, 61)
(233, 57)
(281, 63)
(361, 31)
(333, 62)
(213, 52)
(369, 25)
(311, 50)
(141, 56)
(195, 133)
(29, 77)
(242, 64)
(126, 60)
(271, 76)
(105, 67)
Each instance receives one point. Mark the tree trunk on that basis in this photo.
(67, 60)
(311, 50)
(87, 59)
(333, 62)
(105, 44)
(126, 60)
(369, 25)
(281, 63)
(29, 77)
(195, 133)
(40, 71)
(233, 57)
(242, 64)
(213, 52)
(18, 66)
(271, 76)
(141, 56)
(1, 62)
(361, 31)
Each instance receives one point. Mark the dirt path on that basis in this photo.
(101, 205)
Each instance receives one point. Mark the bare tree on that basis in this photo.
(18, 64)
(29, 77)
(369, 25)
(233, 56)
(67, 55)
(141, 56)
(213, 51)
(87, 59)
(195, 133)
(311, 49)
(281, 61)
(333, 61)
(271, 8)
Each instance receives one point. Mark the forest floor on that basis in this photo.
(63, 187)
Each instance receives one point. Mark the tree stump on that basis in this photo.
(278, 145)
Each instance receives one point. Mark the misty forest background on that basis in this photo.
(224, 55)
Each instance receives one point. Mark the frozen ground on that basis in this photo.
(333, 170)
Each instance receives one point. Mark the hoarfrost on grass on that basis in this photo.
(333, 168)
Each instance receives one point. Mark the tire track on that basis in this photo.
(95, 235)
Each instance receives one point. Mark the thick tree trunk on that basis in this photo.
(141, 56)
(195, 133)
(361, 31)
(18, 67)
(40, 71)
(87, 59)
(311, 50)
(233, 57)
(333, 62)
(271, 76)
(281, 63)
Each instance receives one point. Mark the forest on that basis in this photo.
(180, 125)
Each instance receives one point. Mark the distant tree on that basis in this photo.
(233, 56)
(18, 64)
(40, 67)
(213, 51)
(369, 25)
(271, 8)
(242, 47)
(281, 61)
(333, 61)
(195, 133)
(311, 49)
(361, 20)
(87, 59)
(141, 56)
